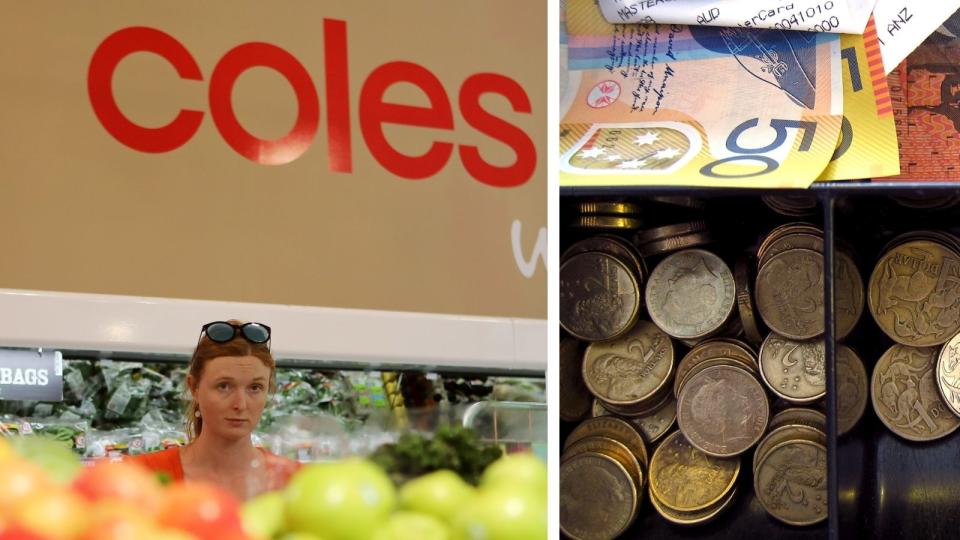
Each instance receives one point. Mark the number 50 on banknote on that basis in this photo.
(677, 105)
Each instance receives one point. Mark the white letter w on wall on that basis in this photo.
(528, 266)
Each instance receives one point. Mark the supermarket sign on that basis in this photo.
(345, 154)
(375, 111)
(33, 375)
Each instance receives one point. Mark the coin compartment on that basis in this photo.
(736, 223)
(887, 486)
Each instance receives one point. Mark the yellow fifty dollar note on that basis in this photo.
(867, 147)
(655, 104)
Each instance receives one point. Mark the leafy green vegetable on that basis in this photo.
(454, 448)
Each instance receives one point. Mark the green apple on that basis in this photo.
(517, 471)
(502, 513)
(412, 526)
(440, 494)
(50, 455)
(299, 536)
(344, 500)
(262, 516)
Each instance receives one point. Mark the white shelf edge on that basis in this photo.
(130, 324)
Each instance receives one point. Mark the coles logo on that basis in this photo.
(373, 111)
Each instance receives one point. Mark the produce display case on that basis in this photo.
(879, 485)
(337, 395)
(515, 426)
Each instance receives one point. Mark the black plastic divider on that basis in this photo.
(833, 528)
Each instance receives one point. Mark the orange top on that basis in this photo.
(168, 461)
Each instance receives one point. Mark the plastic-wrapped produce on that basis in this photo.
(115, 443)
(334, 393)
(462, 389)
(81, 380)
(526, 390)
(130, 389)
(304, 393)
(73, 434)
(308, 438)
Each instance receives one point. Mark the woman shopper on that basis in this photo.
(231, 376)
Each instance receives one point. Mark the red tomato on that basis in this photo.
(15, 532)
(202, 510)
(122, 482)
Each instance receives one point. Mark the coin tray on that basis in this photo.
(880, 486)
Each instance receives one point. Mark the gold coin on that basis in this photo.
(792, 205)
(598, 409)
(948, 242)
(675, 243)
(631, 253)
(599, 296)
(698, 517)
(723, 410)
(611, 245)
(575, 398)
(790, 294)
(783, 434)
(913, 294)
(702, 366)
(848, 294)
(799, 416)
(613, 428)
(925, 202)
(707, 350)
(608, 207)
(751, 352)
(667, 231)
(608, 447)
(791, 482)
(904, 394)
(789, 242)
(748, 315)
(658, 423)
(652, 426)
(947, 239)
(691, 294)
(640, 409)
(686, 202)
(598, 499)
(785, 230)
(630, 369)
(606, 223)
(852, 390)
(685, 479)
(794, 370)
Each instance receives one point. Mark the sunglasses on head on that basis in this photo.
(222, 332)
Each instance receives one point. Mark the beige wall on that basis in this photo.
(79, 211)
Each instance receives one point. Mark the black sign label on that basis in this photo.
(30, 374)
